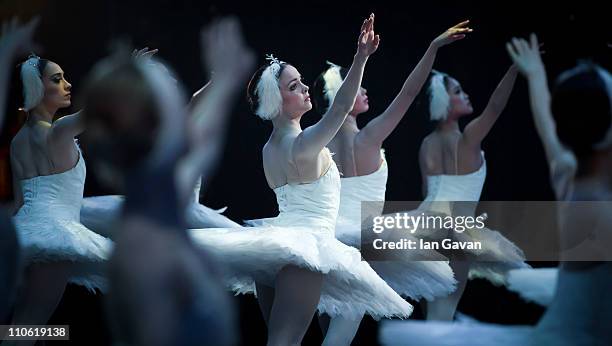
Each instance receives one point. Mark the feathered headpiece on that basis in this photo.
(268, 93)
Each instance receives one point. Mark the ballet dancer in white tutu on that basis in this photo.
(49, 176)
(293, 260)
(363, 167)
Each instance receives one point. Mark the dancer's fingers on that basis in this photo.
(512, 52)
(462, 24)
(517, 45)
(534, 41)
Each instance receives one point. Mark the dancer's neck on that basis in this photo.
(285, 124)
(349, 125)
(447, 126)
(41, 114)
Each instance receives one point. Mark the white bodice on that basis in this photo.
(459, 187)
(370, 187)
(56, 196)
(313, 204)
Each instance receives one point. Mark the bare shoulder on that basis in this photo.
(278, 147)
(19, 145)
(430, 145)
(269, 153)
(427, 160)
(274, 156)
(19, 139)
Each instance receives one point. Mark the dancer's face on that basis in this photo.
(361, 102)
(460, 104)
(296, 100)
(57, 88)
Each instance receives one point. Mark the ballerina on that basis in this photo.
(578, 158)
(101, 213)
(359, 154)
(49, 175)
(294, 260)
(164, 290)
(454, 169)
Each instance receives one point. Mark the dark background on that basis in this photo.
(76, 34)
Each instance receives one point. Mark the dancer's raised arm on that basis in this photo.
(314, 138)
(562, 164)
(14, 40)
(226, 53)
(377, 130)
(478, 128)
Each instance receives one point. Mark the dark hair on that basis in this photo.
(252, 97)
(581, 107)
(319, 100)
(120, 101)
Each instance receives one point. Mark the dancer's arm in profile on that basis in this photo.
(377, 130)
(225, 53)
(314, 138)
(477, 129)
(562, 163)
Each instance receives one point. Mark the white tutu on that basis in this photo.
(302, 235)
(498, 255)
(407, 276)
(100, 213)
(200, 216)
(49, 230)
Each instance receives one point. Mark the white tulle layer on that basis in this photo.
(492, 262)
(53, 240)
(408, 276)
(536, 285)
(350, 288)
(100, 214)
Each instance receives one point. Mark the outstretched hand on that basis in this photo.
(144, 55)
(16, 38)
(453, 34)
(368, 40)
(526, 55)
(225, 51)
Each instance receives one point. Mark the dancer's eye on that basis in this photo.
(56, 78)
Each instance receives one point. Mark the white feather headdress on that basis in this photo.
(439, 100)
(33, 88)
(333, 81)
(268, 92)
